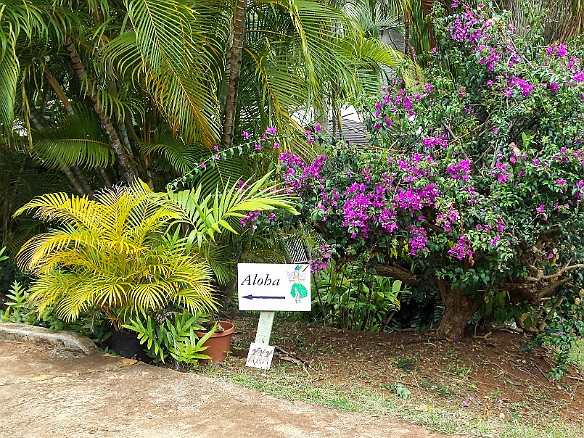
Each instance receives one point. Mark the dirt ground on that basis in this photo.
(487, 374)
(53, 393)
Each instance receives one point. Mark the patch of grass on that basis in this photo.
(471, 386)
(577, 354)
(287, 383)
(435, 387)
(407, 364)
(441, 389)
(458, 370)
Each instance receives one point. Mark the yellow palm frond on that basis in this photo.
(61, 207)
(208, 215)
(120, 261)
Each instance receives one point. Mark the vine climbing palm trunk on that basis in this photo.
(235, 55)
(127, 168)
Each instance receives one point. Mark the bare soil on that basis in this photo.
(487, 374)
(48, 392)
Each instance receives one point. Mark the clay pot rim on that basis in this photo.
(225, 332)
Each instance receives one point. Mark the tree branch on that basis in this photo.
(541, 277)
(397, 273)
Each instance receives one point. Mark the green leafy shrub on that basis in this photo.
(172, 334)
(562, 332)
(351, 299)
(474, 181)
(17, 307)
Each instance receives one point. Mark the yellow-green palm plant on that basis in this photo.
(112, 254)
(122, 253)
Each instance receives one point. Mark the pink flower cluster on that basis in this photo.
(462, 249)
(473, 29)
(460, 170)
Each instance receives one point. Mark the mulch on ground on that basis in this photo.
(487, 373)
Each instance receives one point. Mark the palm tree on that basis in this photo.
(145, 67)
(125, 253)
(111, 254)
(122, 60)
(297, 57)
(564, 19)
(103, 91)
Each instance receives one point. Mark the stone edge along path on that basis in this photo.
(39, 335)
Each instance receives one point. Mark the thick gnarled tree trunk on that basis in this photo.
(458, 310)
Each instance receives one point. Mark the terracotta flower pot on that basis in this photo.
(219, 343)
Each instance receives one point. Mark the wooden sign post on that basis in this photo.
(271, 288)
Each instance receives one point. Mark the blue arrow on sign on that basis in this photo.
(263, 297)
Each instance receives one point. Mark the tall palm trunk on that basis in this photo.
(127, 168)
(564, 21)
(235, 55)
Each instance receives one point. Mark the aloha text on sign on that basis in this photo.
(274, 287)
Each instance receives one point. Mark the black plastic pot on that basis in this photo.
(126, 344)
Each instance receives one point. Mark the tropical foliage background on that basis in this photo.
(98, 92)
(198, 99)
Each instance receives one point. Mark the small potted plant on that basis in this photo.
(219, 342)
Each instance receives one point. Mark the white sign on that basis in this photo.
(273, 287)
(260, 356)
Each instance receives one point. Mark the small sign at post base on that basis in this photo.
(260, 356)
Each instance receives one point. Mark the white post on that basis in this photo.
(264, 328)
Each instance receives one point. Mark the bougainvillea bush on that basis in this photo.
(474, 180)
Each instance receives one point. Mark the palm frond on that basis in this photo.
(23, 26)
(220, 262)
(305, 54)
(62, 207)
(181, 157)
(9, 71)
(174, 63)
(77, 140)
(208, 215)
